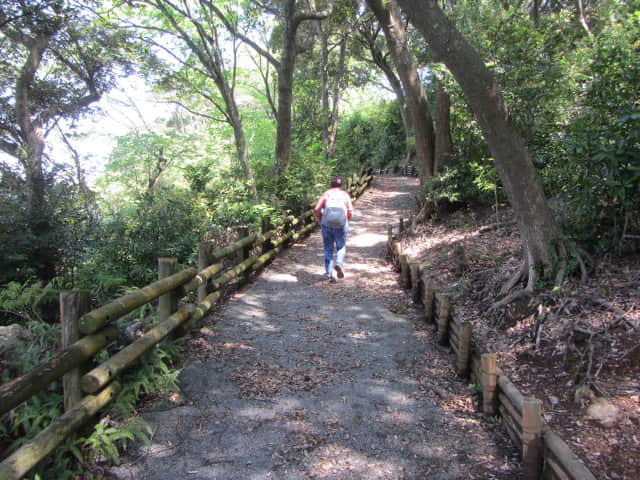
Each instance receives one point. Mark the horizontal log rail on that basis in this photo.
(98, 327)
(22, 388)
(24, 459)
(96, 319)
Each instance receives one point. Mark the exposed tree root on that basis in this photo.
(528, 271)
(513, 281)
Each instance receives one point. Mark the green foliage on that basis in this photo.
(372, 136)
(599, 171)
(40, 410)
(153, 378)
(168, 224)
(575, 99)
(28, 301)
(299, 186)
(463, 184)
(28, 238)
(108, 439)
(308, 174)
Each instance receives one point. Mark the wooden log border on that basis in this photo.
(97, 326)
(544, 454)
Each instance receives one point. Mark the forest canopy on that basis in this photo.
(262, 102)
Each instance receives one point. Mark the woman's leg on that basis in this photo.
(328, 241)
(341, 243)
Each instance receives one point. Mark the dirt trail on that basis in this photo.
(300, 379)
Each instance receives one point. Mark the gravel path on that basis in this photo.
(300, 379)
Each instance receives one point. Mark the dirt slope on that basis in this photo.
(576, 348)
(296, 378)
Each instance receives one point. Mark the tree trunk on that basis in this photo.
(335, 100)
(241, 145)
(391, 22)
(206, 47)
(33, 142)
(285, 90)
(291, 20)
(538, 228)
(582, 19)
(380, 60)
(324, 91)
(534, 13)
(443, 148)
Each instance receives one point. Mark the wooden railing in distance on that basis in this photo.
(86, 394)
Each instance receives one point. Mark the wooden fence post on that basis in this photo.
(401, 227)
(427, 298)
(464, 349)
(489, 382)
(204, 260)
(243, 254)
(404, 271)
(266, 226)
(167, 303)
(73, 304)
(416, 284)
(397, 252)
(531, 438)
(444, 307)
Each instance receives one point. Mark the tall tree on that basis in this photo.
(202, 40)
(291, 19)
(443, 144)
(330, 97)
(390, 19)
(538, 228)
(369, 37)
(57, 61)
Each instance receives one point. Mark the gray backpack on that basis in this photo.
(335, 211)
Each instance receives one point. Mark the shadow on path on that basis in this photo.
(301, 379)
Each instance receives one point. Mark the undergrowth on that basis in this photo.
(152, 380)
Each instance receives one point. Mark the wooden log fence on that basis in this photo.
(544, 454)
(86, 394)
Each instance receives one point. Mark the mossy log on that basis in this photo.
(18, 464)
(200, 311)
(167, 303)
(233, 273)
(96, 319)
(200, 279)
(73, 304)
(220, 253)
(98, 377)
(38, 378)
(303, 231)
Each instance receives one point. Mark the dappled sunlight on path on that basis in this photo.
(297, 378)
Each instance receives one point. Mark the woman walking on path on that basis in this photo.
(333, 211)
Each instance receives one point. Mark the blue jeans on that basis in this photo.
(334, 237)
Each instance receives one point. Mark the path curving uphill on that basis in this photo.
(296, 378)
